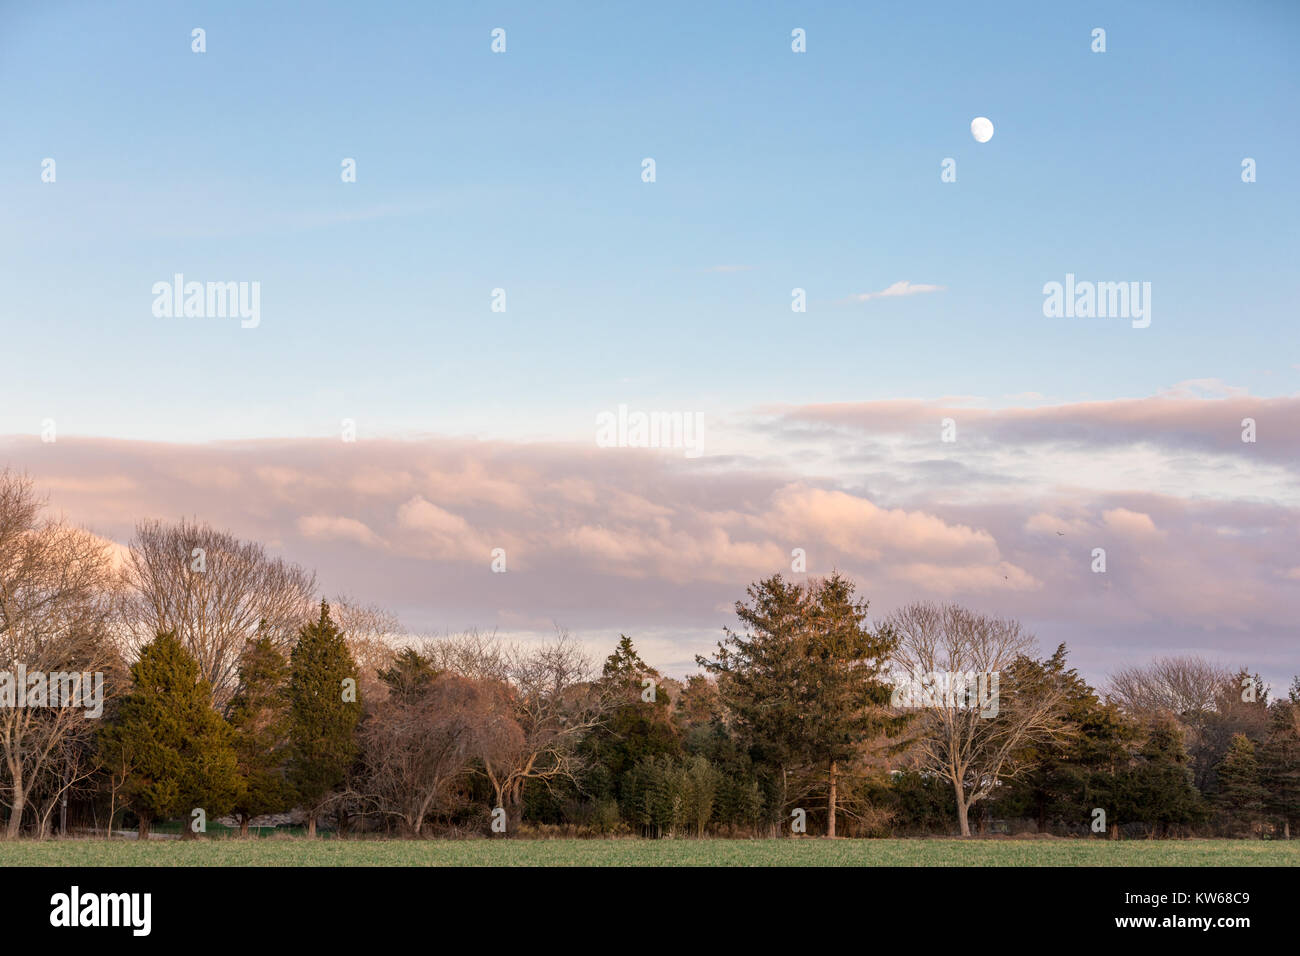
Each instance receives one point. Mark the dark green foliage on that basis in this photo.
(1157, 790)
(259, 717)
(323, 718)
(803, 681)
(1279, 761)
(635, 729)
(1241, 791)
(178, 750)
(1068, 773)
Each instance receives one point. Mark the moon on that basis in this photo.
(981, 127)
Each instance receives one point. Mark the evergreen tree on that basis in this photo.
(178, 751)
(636, 727)
(259, 717)
(1158, 789)
(409, 677)
(323, 714)
(1279, 758)
(805, 679)
(1069, 771)
(1241, 792)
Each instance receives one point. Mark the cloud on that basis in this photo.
(1131, 524)
(331, 528)
(897, 289)
(1199, 528)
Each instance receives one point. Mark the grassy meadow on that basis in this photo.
(289, 851)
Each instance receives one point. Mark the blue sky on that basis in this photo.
(775, 170)
(522, 171)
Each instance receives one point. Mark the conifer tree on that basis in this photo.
(1158, 789)
(805, 680)
(324, 710)
(1279, 758)
(178, 750)
(1241, 792)
(259, 717)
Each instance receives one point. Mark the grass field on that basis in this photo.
(632, 852)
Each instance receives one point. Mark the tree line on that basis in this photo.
(233, 691)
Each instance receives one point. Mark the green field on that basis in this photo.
(285, 851)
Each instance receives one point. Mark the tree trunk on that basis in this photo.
(962, 819)
(1286, 829)
(963, 809)
(515, 810)
(1114, 831)
(311, 826)
(142, 834)
(830, 808)
(244, 820)
(16, 811)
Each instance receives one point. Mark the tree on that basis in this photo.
(1066, 770)
(178, 751)
(1242, 792)
(805, 679)
(367, 628)
(1210, 702)
(757, 669)
(546, 690)
(259, 718)
(323, 714)
(700, 783)
(215, 592)
(1279, 759)
(975, 745)
(425, 735)
(57, 597)
(1157, 790)
(636, 726)
(844, 698)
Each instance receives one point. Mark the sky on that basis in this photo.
(774, 170)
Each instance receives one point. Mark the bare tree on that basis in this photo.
(973, 741)
(370, 632)
(473, 654)
(1210, 702)
(57, 598)
(547, 691)
(215, 592)
(1171, 685)
(422, 739)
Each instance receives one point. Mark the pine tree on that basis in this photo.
(843, 696)
(805, 680)
(324, 710)
(757, 671)
(1241, 792)
(1279, 762)
(1158, 789)
(178, 750)
(639, 723)
(259, 717)
(1069, 773)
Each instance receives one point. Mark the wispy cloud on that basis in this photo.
(896, 290)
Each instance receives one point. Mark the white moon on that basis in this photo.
(981, 127)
